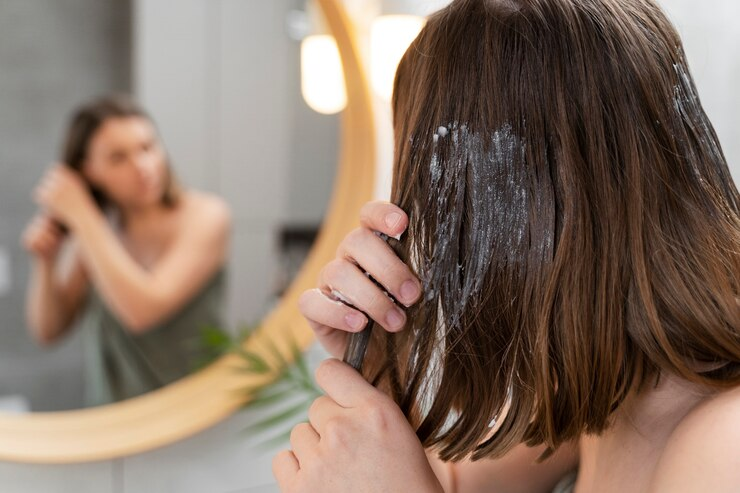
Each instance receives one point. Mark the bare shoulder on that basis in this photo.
(208, 205)
(518, 470)
(206, 213)
(703, 453)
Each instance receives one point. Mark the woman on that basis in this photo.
(571, 268)
(143, 273)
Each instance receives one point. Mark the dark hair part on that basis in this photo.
(86, 121)
(572, 217)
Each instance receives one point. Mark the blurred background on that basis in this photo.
(246, 97)
(222, 81)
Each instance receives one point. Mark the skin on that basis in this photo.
(145, 270)
(676, 437)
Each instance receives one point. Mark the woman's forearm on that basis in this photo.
(127, 288)
(47, 315)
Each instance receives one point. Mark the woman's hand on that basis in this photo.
(356, 440)
(64, 194)
(42, 237)
(344, 279)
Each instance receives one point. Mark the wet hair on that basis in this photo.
(572, 218)
(87, 120)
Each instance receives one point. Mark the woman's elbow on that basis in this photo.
(143, 319)
(137, 323)
(44, 339)
(43, 334)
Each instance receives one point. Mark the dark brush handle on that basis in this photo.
(354, 355)
(358, 342)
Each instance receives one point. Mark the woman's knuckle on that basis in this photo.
(324, 371)
(297, 431)
(392, 272)
(376, 414)
(305, 301)
(355, 240)
(377, 302)
(347, 242)
(278, 465)
(293, 435)
(335, 432)
(313, 408)
(278, 460)
(368, 212)
(333, 270)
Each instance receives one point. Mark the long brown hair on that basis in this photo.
(572, 217)
(86, 121)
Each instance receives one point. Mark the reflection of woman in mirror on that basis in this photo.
(142, 268)
(572, 218)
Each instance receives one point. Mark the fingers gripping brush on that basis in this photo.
(354, 354)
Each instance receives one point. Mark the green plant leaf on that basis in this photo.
(300, 360)
(292, 380)
(254, 362)
(279, 439)
(282, 363)
(245, 332)
(281, 417)
(275, 395)
(215, 338)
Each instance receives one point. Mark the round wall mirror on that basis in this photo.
(222, 82)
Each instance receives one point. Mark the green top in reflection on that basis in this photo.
(120, 364)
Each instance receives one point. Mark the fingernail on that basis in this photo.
(355, 320)
(409, 291)
(394, 318)
(392, 219)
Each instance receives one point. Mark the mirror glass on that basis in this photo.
(222, 82)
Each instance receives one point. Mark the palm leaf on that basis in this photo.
(273, 396)
(281, 417)
(292, 381)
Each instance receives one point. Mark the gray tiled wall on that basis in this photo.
(53, 54)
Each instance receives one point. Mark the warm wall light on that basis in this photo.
(322, 78)
(390, 36)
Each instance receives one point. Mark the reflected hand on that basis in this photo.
(64, 194)
(43, 237)
(356, 440)
(343, 279)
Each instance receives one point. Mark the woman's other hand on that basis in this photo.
(43, 237)
(344, 279)
(64, 195)
(356, 440)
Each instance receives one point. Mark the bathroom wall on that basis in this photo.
(53, 54)
(222, 79)
(711, 34)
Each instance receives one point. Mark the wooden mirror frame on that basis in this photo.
(203, 399)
